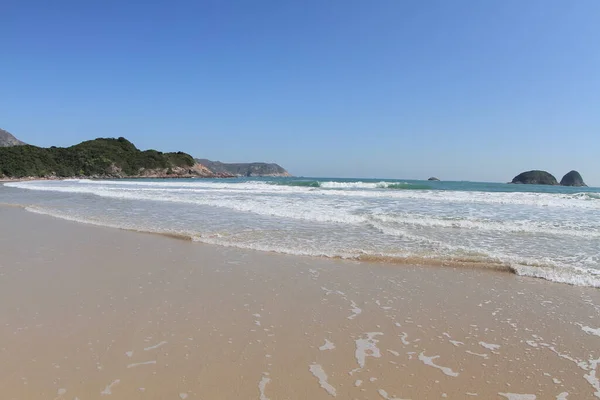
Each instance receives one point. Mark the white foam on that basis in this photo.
(403, 337)
(486, 356)
(517, 396)
(386, 396)
(562, 396)
(320, 374)
(261, 387)
(327, 346)
(489, 346)
(141, 363)
(487, 225)
(367, 347)
(591, 377)
(129, 354)
(108, 389)
(359, 185)
(429, 361)
(355, 310)
(565, 274)
(183, 396)
(156, 346)
(590, 331)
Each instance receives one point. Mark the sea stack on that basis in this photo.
(573, 178)
(433, 178)
(535, 178)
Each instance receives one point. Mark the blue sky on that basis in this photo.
(466, 90)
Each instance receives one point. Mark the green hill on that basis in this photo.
(99, 157)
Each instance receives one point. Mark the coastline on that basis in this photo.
(97, 312)
(449, 239)
(29, 179)
(157, 176)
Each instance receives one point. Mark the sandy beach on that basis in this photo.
(89, 312)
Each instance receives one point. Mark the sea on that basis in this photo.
(549, 232)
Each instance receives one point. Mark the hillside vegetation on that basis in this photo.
(99, 157)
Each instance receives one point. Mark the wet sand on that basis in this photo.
(97, 313)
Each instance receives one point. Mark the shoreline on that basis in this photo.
(424, 262)
(30, 179)
(539, 268)
(108, 312)
(492, 265)
(158, 176)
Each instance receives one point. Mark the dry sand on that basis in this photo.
(98, 313)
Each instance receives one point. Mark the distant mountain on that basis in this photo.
(7, 139)
(99, 158)
(243, 169)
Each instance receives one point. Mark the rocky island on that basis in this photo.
(536, 177)
(433, 178)
(573, 178)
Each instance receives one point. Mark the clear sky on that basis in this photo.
(465, 90)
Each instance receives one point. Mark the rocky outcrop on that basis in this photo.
(433, 178)
(115, 172)
(7, 139)
(573, 178)
(195, 171)
(535, 178)
(243, 169)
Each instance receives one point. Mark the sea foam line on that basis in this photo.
(578, 276)
(320, 374)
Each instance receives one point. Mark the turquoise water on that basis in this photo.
(411, 184)
(550, 232)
